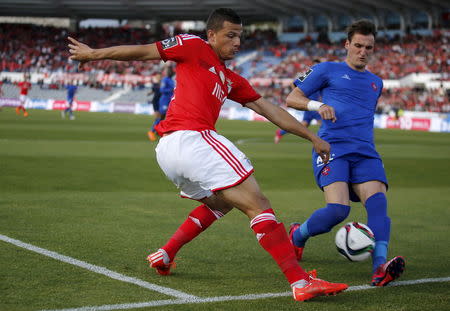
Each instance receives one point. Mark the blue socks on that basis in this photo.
(380, 224)
(321, 221)
(157, 120)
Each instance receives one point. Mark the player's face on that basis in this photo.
(226, 41)
(359, 50)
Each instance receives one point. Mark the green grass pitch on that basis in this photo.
(91, 189)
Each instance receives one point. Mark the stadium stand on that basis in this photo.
(399, 60)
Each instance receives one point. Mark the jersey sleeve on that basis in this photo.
(179, 48)
(381, 88)
(241, 90)
(313, 80)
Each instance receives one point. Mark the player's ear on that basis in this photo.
(211, 35)
(347, 44)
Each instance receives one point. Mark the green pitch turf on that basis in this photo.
(91, 189)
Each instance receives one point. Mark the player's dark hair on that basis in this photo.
(219, 16)
(363, 27)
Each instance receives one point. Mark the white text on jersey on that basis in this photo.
(219, 93)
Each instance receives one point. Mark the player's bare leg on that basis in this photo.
(272, 236)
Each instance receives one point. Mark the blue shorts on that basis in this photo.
(350, 168)
(155, 104)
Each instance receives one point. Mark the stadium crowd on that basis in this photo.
(42, 49)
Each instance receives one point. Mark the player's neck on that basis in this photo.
(216, 51)
(355, 68)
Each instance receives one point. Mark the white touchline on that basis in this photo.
(183, 297)
(158, 303)
(97, 269)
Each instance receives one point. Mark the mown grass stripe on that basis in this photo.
(97, 269)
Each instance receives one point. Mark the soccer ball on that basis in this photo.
(355, 241)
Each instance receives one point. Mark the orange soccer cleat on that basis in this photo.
(151, 136)
(160, 261)
(389, 271)
(298, 250)
(315, 288)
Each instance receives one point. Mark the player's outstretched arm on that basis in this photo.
(298, 100)
(285, 121)
(83, 53)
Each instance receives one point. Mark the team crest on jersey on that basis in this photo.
(374, 86)
(169, 43)
(305, 75)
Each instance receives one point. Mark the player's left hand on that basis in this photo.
(79, 51)
(322, 148)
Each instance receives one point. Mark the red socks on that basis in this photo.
(198, 220)
(272, 236)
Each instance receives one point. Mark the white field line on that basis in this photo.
(97, 269)
(158, 303)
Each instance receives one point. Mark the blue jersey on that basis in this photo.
(166, 90)
(71, 90)
(353, 95)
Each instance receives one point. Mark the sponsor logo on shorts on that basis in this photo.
(319, 161)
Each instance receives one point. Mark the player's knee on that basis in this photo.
(377, 204)
(339, 211)
(324, 219)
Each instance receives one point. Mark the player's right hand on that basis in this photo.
(322, 148)
(79, 51)
(327, 113)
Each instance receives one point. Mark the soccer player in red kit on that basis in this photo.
(206, 166)
(24, 86)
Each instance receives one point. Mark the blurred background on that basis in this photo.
(281, 40)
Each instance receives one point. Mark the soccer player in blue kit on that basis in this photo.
(355, 170)
(71, 90)
(167, 87)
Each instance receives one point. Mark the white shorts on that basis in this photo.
(199, 163)
(23, 99)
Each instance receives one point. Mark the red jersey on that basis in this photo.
(203, 84)
(24, 86)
